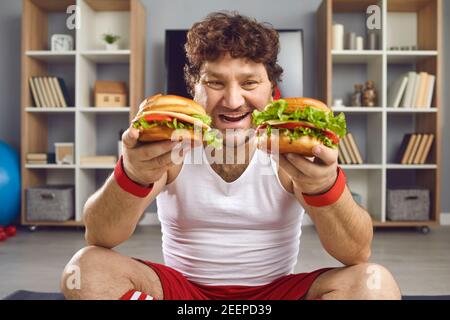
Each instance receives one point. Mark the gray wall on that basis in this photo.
(180, 14)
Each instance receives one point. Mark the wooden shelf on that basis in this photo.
(50, 166)
(52, 56)
(103, 56)
(70, 223)
(397, 224)
(50, 110)
(411, 110)
(410, 56)
(353, 56)
(80, 68)
(410, 166)
(105, 110)
(357, 109)
(379, 131)
(97, 166)
(361, 166)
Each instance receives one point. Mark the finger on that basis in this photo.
(289, 168)
(152, 150)
(130, 137)
(307, 167)
(168, 159)
(328, 156)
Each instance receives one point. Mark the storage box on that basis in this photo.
(408, 205)
(64, 152)
(50, 203)
(110, 94)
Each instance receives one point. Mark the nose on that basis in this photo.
(234, 97)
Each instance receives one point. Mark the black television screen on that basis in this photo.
(175, 61)
(290, 58)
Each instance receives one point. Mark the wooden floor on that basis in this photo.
(419, 262)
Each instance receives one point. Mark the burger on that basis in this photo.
(171, 117)
(302, 123)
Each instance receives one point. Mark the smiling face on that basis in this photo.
(230, 89)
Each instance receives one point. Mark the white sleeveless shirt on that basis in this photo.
(246, 232)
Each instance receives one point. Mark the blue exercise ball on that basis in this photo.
(9, 184)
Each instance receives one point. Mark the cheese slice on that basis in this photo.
(181, 116)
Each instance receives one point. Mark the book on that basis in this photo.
(340, 156)
(43, 91)
(407, 97)
(349, 150)
(421, 89)
(415, 92)
(34, 93)
(411, 139)
(427, 149)
(402, 149)
(355, 148)
(36, 156)
(396, 91)
(420, 149)
(37, 161)
(430, 91)
(98, 159)
(59, 93)
(53, 92)
(345, 153)
(65, 92)
(414, 148)
(37, 85)
(49, 92)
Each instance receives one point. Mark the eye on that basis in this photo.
(213, 84)
(250, 84)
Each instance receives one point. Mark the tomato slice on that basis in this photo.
(293, 125)
(157, 117)
(332, 136)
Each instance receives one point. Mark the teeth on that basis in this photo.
(234, 115)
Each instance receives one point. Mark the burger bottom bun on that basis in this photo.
(161, 133)
(302, 145)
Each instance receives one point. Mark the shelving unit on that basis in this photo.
(94, 131)
(379, 130)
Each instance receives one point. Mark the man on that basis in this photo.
(229, 230)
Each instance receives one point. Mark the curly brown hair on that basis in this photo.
(229, 32)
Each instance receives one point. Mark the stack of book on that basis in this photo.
(49, 92)
(412, 90)
(349, 151)
(415, 148)
(98, 160)
(37, 158)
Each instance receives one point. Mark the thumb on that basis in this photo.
(130, 137)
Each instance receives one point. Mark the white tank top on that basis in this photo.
(246, 232)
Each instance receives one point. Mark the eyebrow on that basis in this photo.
(244, 74)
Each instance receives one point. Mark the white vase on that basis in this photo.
(112, 46)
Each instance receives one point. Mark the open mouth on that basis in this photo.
(235, 117)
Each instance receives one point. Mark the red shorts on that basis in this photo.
(177, 287)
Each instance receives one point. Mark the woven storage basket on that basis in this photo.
(408, 205)
(50, 203)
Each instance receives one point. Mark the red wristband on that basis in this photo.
(331, 196)
(127, 184)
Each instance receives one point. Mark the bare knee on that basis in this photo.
(87, 275)
(374, 281)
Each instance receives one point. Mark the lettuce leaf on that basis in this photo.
(211, 137)
(204, 118)
(300, 131)
(322, 120)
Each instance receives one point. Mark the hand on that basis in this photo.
(311, 176)
(146, 163)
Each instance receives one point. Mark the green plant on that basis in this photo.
(110, 38)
